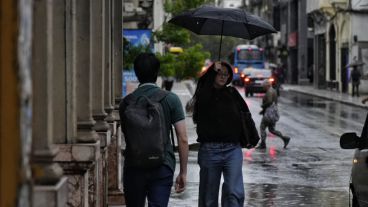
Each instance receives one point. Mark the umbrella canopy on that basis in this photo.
(354, 64)
(209, 20)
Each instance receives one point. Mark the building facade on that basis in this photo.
(229, 3)
(289, 47)
(317, 39)
(338, 39)
(145, 14)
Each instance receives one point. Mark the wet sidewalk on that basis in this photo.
(327, 94)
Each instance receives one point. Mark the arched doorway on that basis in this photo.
(332, 45)
(344, 57)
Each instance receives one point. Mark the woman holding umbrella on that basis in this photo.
(216, 113)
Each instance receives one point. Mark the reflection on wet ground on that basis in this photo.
(277, 177)
(293, 195)
(271, 195)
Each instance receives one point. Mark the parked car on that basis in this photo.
(359, 172)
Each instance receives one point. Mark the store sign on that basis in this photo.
(138, 37)
(129, 79)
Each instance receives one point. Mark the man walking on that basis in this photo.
(269, 102)
(355, 80)
(153, 183)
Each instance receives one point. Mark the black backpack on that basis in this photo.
(145, 129)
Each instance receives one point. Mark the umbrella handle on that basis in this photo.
(222, 30)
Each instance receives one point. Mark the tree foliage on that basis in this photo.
(191, 61)
(130, 52)
(212, 45)
(172, 34)
(177, 6)
(167, 64)
(188, 63)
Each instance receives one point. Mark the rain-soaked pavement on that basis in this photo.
(312, 171)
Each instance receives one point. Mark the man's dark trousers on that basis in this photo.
(155, 184)
(356, 89)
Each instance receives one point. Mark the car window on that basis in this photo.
(249, 55)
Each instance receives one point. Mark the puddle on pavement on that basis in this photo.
(269, 195)
(290, 195)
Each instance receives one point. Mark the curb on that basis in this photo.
(329, 98)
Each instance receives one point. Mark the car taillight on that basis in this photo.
(242, 75)
(246, 79)
(271, 80)
(236, 70)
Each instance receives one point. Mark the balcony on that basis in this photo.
(324, 6)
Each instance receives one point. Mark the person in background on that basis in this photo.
(167, 83)
(215, 110)
(310, 73)
(155, 184)
(269, 98)
(355, 80)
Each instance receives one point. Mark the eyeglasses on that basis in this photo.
(223, 75)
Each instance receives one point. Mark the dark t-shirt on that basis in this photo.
(173, 112)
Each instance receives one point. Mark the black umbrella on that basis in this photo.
(355, 63)
(209, 20)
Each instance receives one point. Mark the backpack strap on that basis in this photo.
(158, 97)
(129, 99)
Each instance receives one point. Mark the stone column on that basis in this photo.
(82, 64)
(117, 50)
(71, 73)
(85, 123)
(107, 59)
(117, 56)
(98, 74)
(59, 73)
(50, 186)
(79, 153)
(116, 196)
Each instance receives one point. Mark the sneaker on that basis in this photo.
(286, 141)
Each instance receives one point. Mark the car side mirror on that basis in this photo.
(349, 141)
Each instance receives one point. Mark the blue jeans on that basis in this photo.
(155, 184)
(215, 159)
